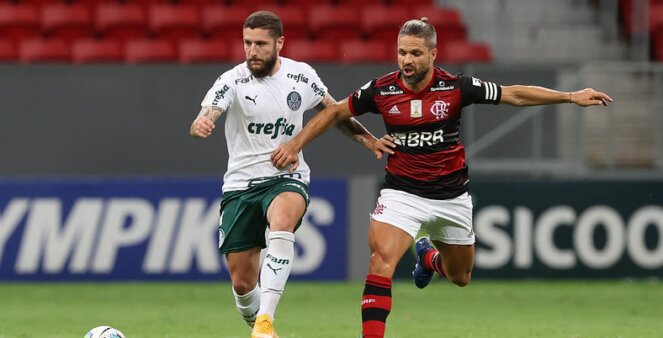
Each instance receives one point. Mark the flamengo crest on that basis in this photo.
(440, 109)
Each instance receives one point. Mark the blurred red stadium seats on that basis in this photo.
(380, 22)
(201, 50)
(174, 22)
(447, 22)
(44, 50)
(121, 21)
(225, 22)
(8, 50)
(311, 50)
(67, 21)
(357, 51)
(295, 25)
(334, 23)
(464, 52)
(19, 21)
(150, 51)
(657, 39)
(97, 51)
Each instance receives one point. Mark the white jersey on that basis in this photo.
(262, 113)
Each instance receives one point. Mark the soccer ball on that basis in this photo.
(104, 332)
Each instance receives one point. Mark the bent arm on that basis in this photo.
(203, 125)
(519, 95)
(286, 154)
(333, 114)
(350, 127)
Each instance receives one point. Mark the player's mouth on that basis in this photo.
(408, 71)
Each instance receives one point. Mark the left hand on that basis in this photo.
(385, 144)
(285, 155)
(589, 97)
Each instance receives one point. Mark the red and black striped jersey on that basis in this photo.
(429, 160)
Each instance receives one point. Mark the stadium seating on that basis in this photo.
(657, 39)
(66, 21)
(18, 21)
(448, 23)
(237, 53)
(358, 51)
(201, 50)
(311, 50)
(295, 25)
(380, 22)
(224, 22)
(121, 21)
(334, 23)
(8, 50)
(357, 31)
(44, 50)
(464, 52)
(150, 51)
(97, 51)
(174, 22)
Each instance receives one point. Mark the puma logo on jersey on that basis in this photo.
(251, 99)
(275, 129)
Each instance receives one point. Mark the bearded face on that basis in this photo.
(262, 51)
(262, 67)
(415, 59)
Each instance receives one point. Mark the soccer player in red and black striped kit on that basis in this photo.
(426, 174)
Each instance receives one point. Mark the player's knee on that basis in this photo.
(283, 223)
(381, 265)
(460, 279)
(243, 287)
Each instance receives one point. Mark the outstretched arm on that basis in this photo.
(203, 125)
(351, 128)
(534, 96)
(288, 153)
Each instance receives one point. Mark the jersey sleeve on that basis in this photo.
(363, 100)
(473, 90)
(222, 93)
(317, 87)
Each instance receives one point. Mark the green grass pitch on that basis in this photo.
(482, 309)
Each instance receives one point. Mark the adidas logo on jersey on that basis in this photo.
(394, 111)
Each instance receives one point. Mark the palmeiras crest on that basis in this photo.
(294, 100)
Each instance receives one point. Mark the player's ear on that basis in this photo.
(279, 43)
(433, 53)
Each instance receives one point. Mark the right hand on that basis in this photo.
(201, 127)
(385, 144)
(285, 155)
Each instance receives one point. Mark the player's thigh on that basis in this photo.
(401, 210)
(451, 221)
(457, 258)
(242, 223)
(286, 204)
(387, 244)
(244, 268)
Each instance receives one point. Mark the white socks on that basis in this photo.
(275, 270)
(248, 305)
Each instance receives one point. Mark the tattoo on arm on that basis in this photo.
(353, 129)
(326, 101)
(211, 112)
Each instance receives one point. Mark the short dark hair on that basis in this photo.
(421, 29)
(266, 20)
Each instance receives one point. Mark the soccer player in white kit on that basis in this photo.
(264, 100)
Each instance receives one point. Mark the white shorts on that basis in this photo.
(448, 221)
